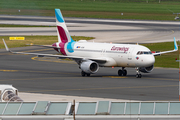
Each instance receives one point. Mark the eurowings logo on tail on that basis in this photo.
(65, 42)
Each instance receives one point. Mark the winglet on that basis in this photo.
(175, 44)
(175, 49)
(6, 46)
(59, 15)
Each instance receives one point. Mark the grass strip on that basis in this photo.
(38, 40)
(131, 9)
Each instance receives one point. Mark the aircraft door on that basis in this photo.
(130, 53)
(130, 59)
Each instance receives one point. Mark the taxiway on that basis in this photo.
(51, 76)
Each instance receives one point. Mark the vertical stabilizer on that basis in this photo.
(65, 42)
(62, 31)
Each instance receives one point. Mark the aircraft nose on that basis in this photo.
(148, 61)
(151, 60)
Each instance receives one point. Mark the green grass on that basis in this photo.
(165, 60)
(38, 40)
(132, 9)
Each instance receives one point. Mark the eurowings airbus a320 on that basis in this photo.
(90, 55)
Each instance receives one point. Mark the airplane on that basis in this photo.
(91, 55)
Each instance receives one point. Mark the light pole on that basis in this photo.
(177, 17)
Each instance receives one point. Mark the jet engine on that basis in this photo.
(89, 66)
(146, 69)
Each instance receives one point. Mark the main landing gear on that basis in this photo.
(138, 75)
(122, 72)
(85, 74)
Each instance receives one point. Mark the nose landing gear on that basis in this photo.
(138, 75)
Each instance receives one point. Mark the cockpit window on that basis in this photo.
(143, 52)
(146, 52)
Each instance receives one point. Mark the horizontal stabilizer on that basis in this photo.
(47, 46)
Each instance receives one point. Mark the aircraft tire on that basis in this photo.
(138, 75)
(120, 72)
(124, 72)
(83, 73)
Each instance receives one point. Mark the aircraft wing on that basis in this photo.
(175, 49)
(98, 60)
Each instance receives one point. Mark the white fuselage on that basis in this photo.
(122, 55)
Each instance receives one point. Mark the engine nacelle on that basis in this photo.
(146, 69)
(89, 66)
